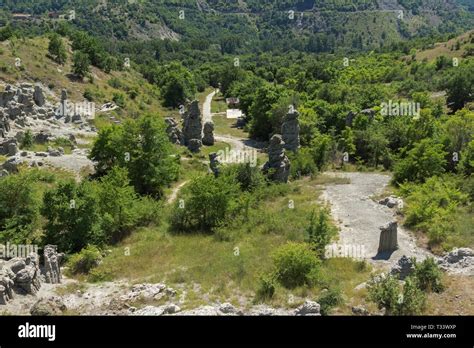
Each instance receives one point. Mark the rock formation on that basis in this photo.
(278, 165)
(48, 307)
(174, 133)
(208, 138)
(214, 163)
(21, 275)
(290, 131)
(388, 237)
(52, 261)
(458, 261)
(192, 129)
(404, 267)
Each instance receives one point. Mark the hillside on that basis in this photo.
(345, 187)
(283, 25)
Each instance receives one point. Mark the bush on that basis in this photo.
(320, 232)
(266, 288)
(84, 261)
(207, 204)
(73, 216)
(431, 206)
(143, 148)
(329, 299)
(19, 209)
(385, 292)
(428, 275)
(248, 177)
(27, 141)
(302, 163)
(294, 263)
(425, 160)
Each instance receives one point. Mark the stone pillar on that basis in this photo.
(388, 237)
(52, 262)
(290, 131)
(208, 138)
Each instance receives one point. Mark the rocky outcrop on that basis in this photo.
(214, 163)
(278, 165)
(23, 272)
(48, 307)
(192, 129)
(309, 308)
(392, 201)
(6, 285)
(290, 131)
(208, 138)
(148, 291)
(174, 133)
(404, 267)
(458, 261)
(11, 165)
(52, 261)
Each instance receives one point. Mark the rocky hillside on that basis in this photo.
(360, 24)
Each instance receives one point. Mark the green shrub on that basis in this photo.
(431, 206)
(302, 163)
(206, 205)
(320, 231)
(386, 293)
(84, 261)
(425, 160)
(329, 299)
(27, 141)
(266, 288)
(294, 263)
(19, 209)
(428, 275)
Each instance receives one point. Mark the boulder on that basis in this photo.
(208, 138)
(309, 308)
(12, 149)
(38, 96)
(194, 145)
(51, 306)
(404, 267)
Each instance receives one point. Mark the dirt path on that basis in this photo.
(236, 143)
(359, 216)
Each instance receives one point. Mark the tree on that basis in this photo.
(177, 84)
(260, 111)
(206, 205)
(142, 147)
(118, 204)
(425, 160)
(81, 64)
(57, 49)
(460, 87)
(19, 209)
(73, 217)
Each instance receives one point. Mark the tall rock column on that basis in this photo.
(388, 237)
(290, 131)
(278, 165)
(192, 129)
(52, 262)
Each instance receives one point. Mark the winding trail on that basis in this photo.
(359, 216)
